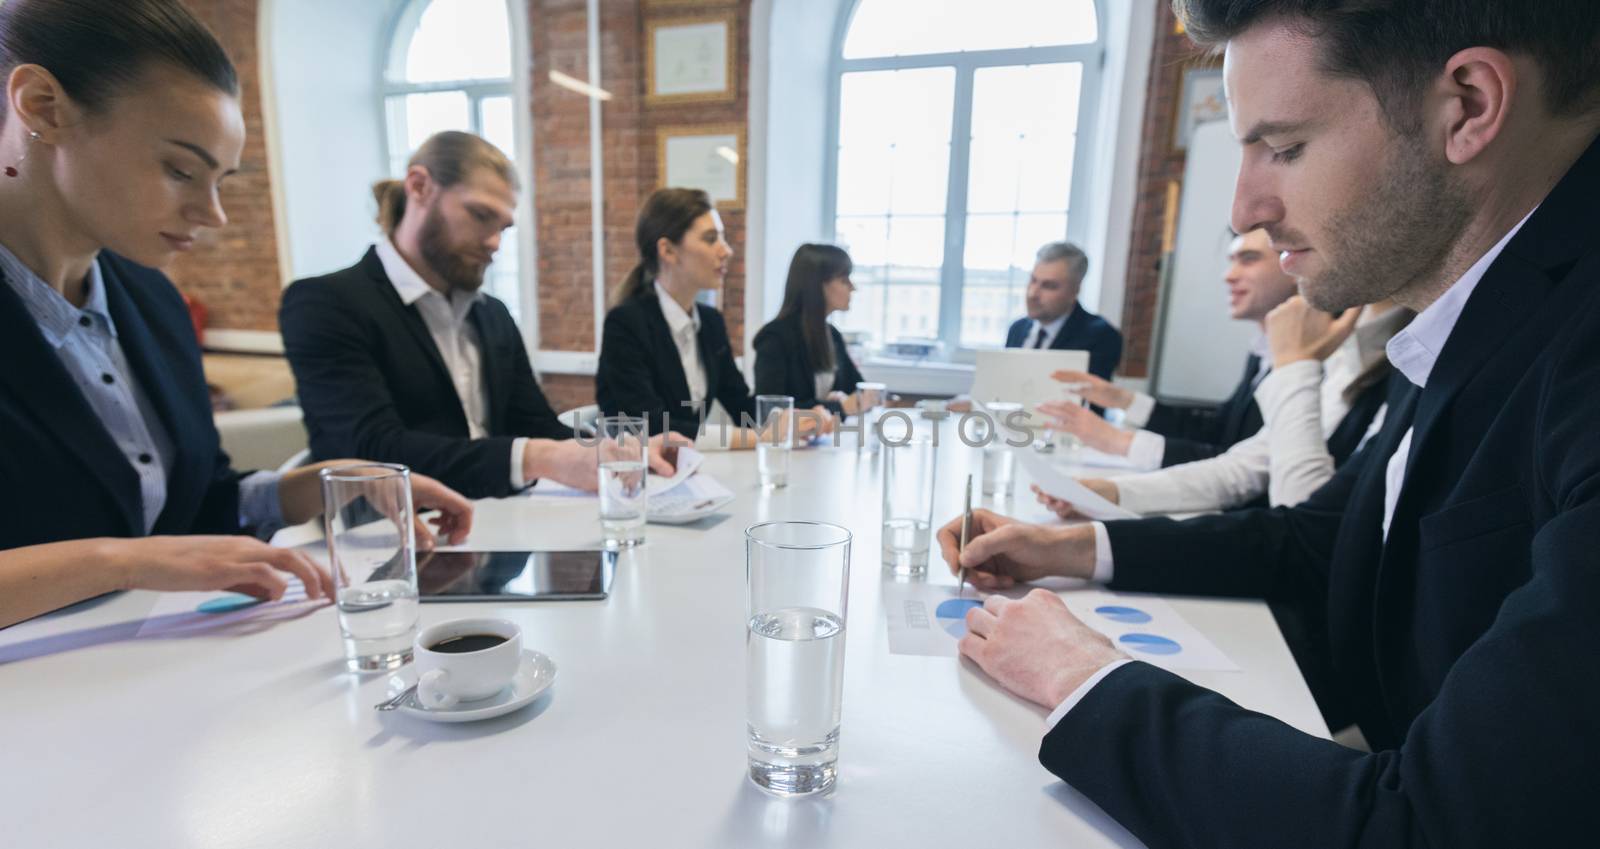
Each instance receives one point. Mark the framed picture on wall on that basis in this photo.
(685, 4)
(1200, 101)
(690, 60)
(709, 157)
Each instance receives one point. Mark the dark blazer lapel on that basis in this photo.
(34, 372)
(1070, 329)
(137, 338)
(407, 315)
(1239, 404)
(709, 348)
(496, 375)
(667, 349)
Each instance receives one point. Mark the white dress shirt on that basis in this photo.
(1413, 351)
(1147, 447)
(685, 327)
(1047, 330)
(1302, 404)
(457, 341)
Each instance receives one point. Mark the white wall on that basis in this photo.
(321, 61)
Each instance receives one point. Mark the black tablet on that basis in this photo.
(515, 575)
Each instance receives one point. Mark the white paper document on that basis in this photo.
(1058, 483)
(929, 619)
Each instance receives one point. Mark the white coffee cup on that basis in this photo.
(446, 678)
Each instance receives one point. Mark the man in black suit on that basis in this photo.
(1390, 152)
(1056, 320)
(403, 358)
(1157, 435)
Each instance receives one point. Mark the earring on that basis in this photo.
(11, 170)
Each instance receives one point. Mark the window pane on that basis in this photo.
(893, 181)
(914, 27)
(499, 128)
(415, 117)
(1024, 135)
(459, 40)
(502, 279)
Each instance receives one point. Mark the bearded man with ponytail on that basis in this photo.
(403, 357)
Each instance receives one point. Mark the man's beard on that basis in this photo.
(1400, 234)
(460, 273)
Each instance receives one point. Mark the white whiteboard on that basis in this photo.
(1202, 349)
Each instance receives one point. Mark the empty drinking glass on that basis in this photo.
(999, 458)
(798, 576)
(775, 438)
(623, 446)
(908, 488)
(367, 517)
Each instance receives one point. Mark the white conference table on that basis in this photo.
(264, 740)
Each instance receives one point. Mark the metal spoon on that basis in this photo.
(393, 703)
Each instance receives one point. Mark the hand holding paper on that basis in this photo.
(1058, 484)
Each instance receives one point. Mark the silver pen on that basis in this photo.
(966, 527)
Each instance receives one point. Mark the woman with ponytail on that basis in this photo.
(120, 122)
(662, 355)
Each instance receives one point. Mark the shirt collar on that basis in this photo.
(54, 314)
(1415, 350)
(410, 286)
(675, 315)
(1054, 327)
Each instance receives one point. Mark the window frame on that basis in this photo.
(1090, 56)
(391, 61)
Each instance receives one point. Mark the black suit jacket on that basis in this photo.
(65, 476)
(1083, 331)
(1465, 641)
(1197, 432)
(640, 373)
(783, 366)
(373, 385)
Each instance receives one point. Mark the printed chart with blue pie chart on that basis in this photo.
(1137, 642)
(952, 615)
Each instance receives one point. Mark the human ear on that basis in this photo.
(1479, 86)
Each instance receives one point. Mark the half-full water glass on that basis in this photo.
(908, 489)
(774, 439)
(798, 576)
(623, 446)
(999, 457)
(368, 521)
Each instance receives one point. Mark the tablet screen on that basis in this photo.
(515, 575)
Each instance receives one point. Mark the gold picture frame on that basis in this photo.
(698, 157)
(691, 59)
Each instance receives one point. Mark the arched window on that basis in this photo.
(450, 68)
(957, 128)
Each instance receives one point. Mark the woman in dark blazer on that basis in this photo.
(663, 355)
(125, 118)
(799, 353)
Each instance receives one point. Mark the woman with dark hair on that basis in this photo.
(662, 355)
(799, 353)
(120, 122)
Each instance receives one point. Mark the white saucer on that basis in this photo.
(533, 677)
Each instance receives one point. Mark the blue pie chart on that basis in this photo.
(228, 603)
(1127, 615)
(952, 615)
(1149, 644)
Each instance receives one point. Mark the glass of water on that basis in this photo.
(368, 521)
(908, 488)
(798, 576)
(999, 460)
(775, 418)
(869, 397)
(623, 444)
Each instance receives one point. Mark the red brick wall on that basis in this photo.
(234, 272)
(628, 142)
(1159, 164)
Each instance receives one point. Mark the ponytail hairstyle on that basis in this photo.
(94, 48)
(803, 296)
(668, 213)
(449, 157)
